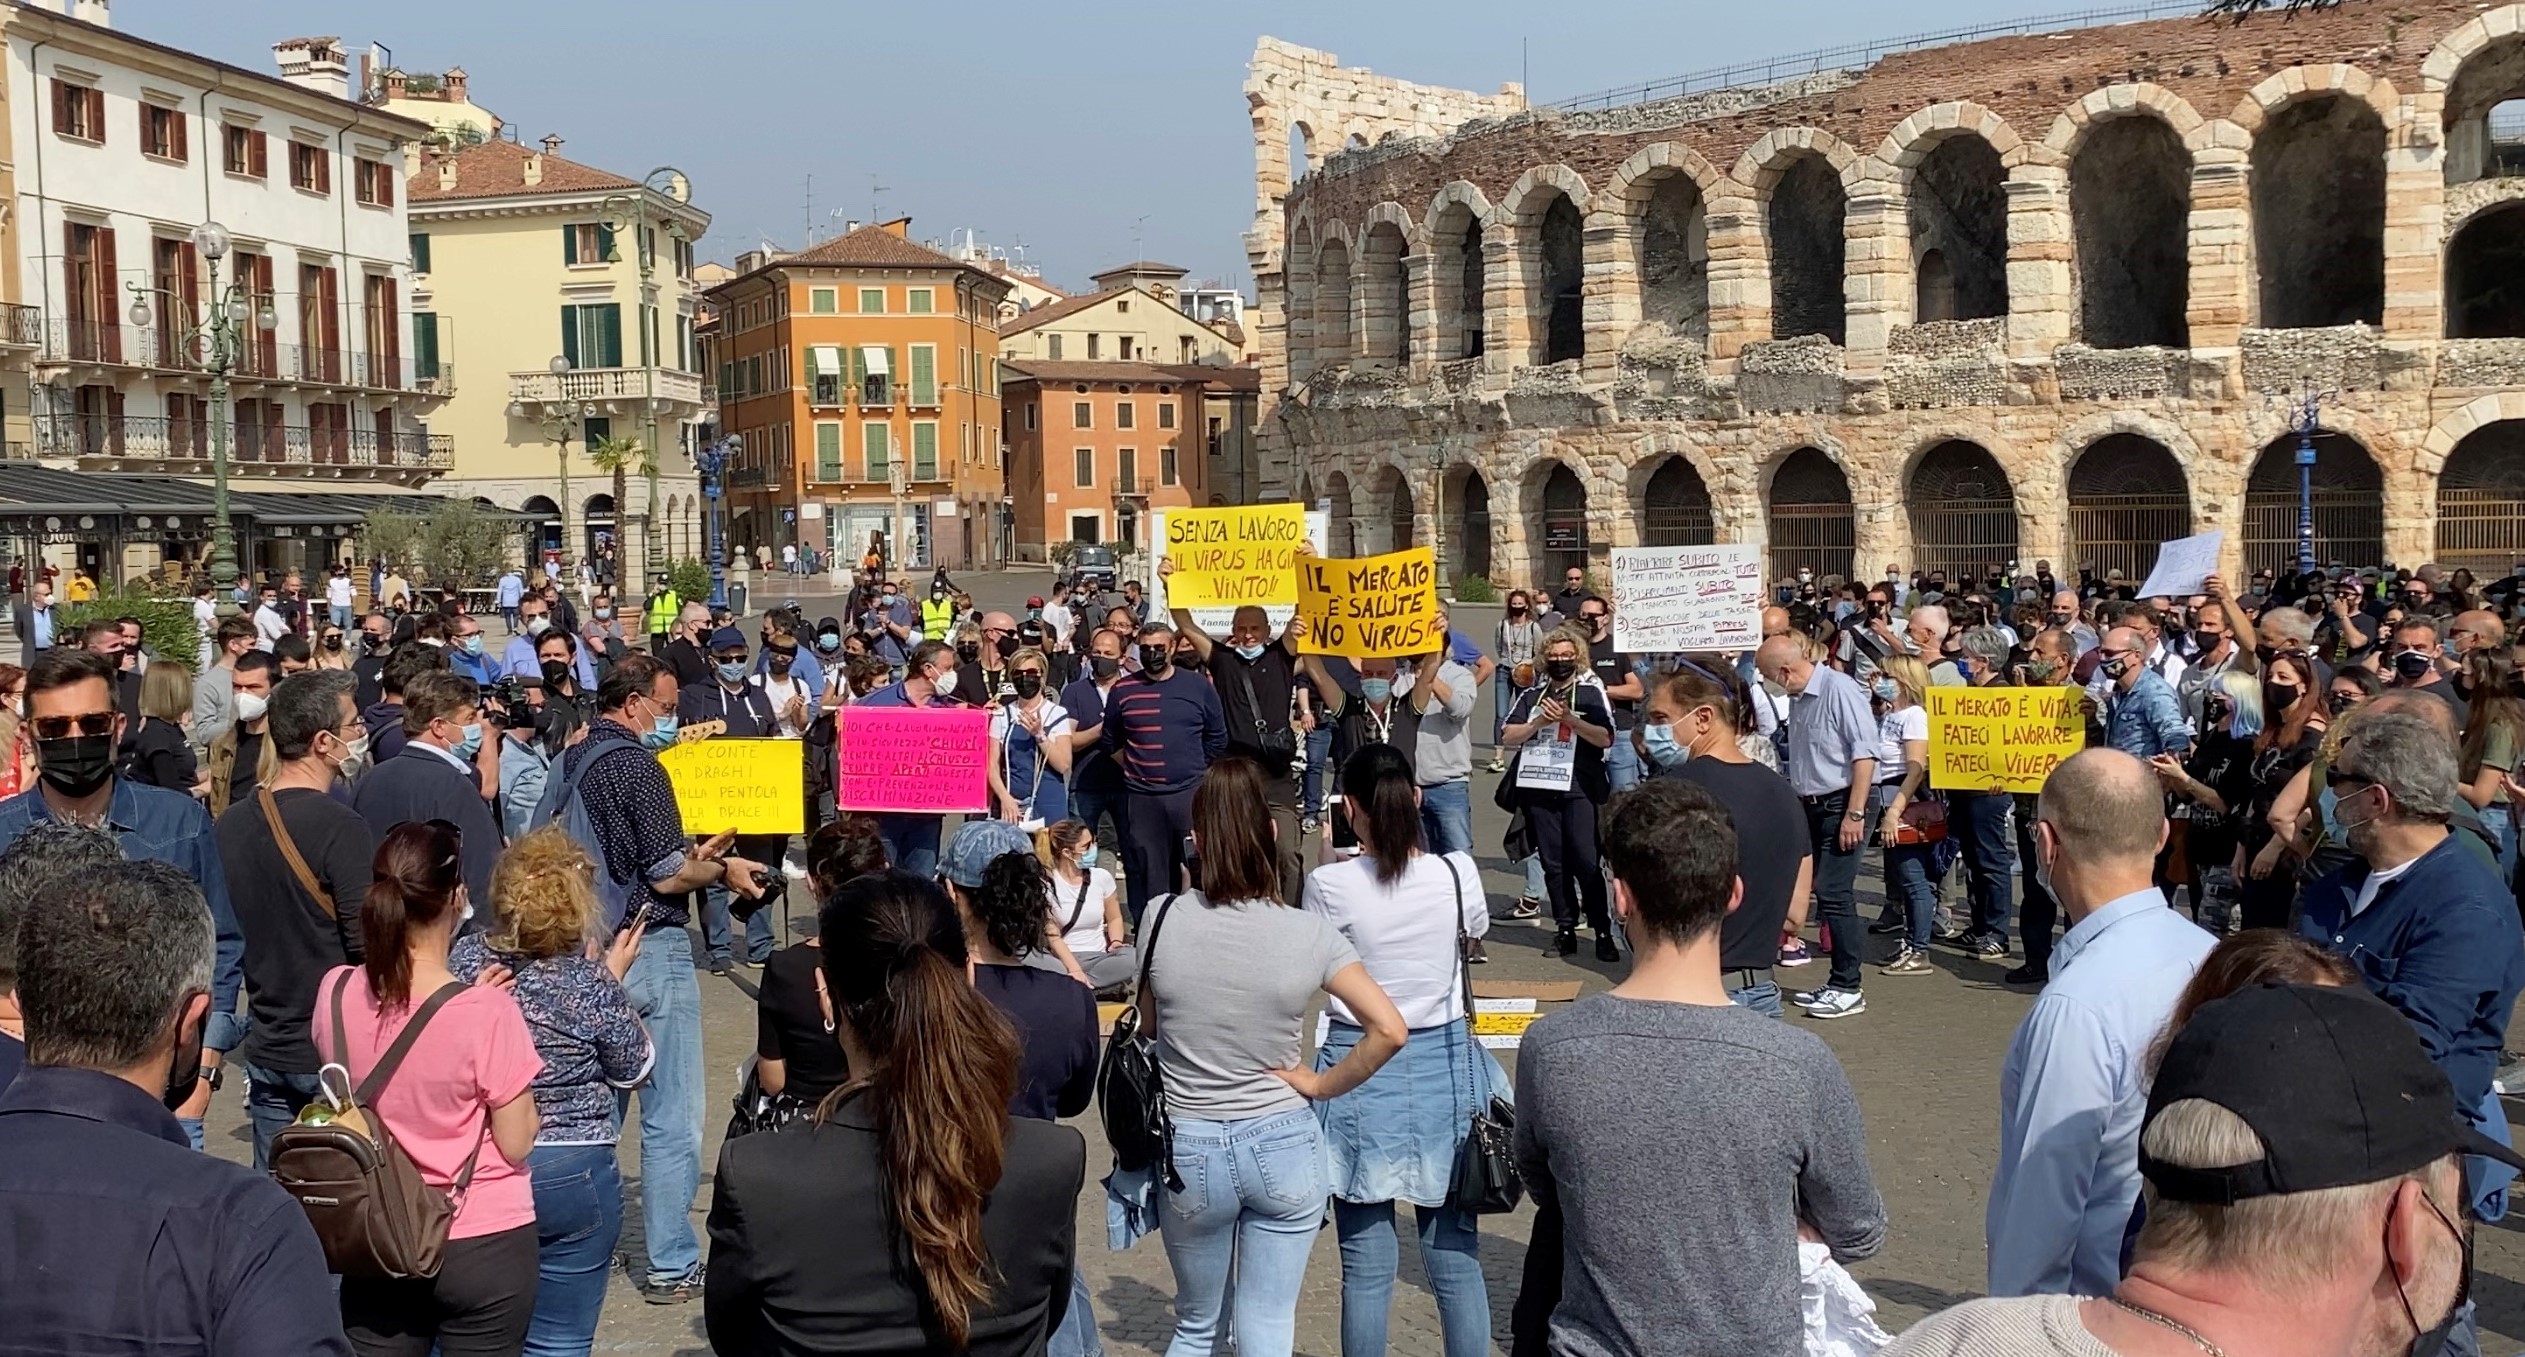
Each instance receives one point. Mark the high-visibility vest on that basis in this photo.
(662, 611)
(938, 617)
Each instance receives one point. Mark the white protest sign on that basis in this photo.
(1547, 763)
(2184, 565)
(1686, 598)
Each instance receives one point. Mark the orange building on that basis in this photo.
(1092, 447)
(862, 380)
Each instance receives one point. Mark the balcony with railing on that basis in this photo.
(618, 388)
(104, 442)
(259, 359)
(21, 326)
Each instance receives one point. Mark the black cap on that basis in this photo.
(2333, 1080)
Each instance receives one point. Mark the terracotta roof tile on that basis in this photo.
(1054, 370)
(1052, 311)
(875, 247)
(497, 169)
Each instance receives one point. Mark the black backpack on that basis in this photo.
(1130, 1092)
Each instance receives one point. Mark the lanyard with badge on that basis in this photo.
(1550, 763)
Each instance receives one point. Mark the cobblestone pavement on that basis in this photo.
(1924, 1060)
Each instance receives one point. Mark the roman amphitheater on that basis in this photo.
(2056, 293)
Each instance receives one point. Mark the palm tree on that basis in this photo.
(622, 456)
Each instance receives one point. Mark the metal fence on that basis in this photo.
(1823, 538)
(2481, 530)
(152, 436)
(2122, 532)
(2349, 527)
(261, 358)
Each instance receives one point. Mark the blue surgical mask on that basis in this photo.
(1885, 690)
(732, 671)
(471, 744)
(1249, 654)
(1663, 749)
(473, 644)
(661, 732)
(1087, 859)
(1376, 689)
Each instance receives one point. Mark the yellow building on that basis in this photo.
(573, 290)
(1133, 316)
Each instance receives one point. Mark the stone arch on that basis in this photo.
(1531, 195)
(1556, 499)
(1394, 532)
(1673, 501)
(2130, 208)
(1653, 219)
(2349, 510)
(1963, 509)
(2070, 129)
(2478, 413)
(1300, 285)
(544, 531)
(1805, 224)
(2478, 67)
(1339, 535)
(1381, 289)
(2485, 275)
(1916, 136)
(1456, 229)
(2481, 500)
(1956, 213)
(1760, 167)
(1809, 516)
(2318, 188)
(2127, 494)
(1464, 508)
(1332, 298)
(1546, 211)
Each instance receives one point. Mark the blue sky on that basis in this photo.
(1069, 127)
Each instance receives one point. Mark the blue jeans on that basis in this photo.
(1763, 998)
(1449, 1248)
(715, 920)
(578, 1216)
(1836, 886)
(1979, 822)
(273, 1099)
(1320, 775)
(1446, 817)
(1077, 1335)
(667, 998)
(1908, 887)
(1254, 1194)
(1621, 762)
(1503, 697)
(911, 842)
(1533, 865)
(192, 1131)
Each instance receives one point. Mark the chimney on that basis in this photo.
(309, 63)
(447, 176)
(89, 12)
(394, 84)
(454, 83)
(552, 146)
(850, 225)
(534, 170)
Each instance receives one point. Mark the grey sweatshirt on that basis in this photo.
(1683, 1144)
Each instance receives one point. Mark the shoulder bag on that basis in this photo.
(1130, 1090)
(1485, 1182)
(1279, 746)
(371, 1209)
(297, 863)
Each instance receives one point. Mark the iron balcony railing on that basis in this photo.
(261, 358)
(249, 446)
(21, 326)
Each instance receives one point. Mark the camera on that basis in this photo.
(775, 883)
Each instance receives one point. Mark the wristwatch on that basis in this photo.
(210, 1076)
(1855, 817)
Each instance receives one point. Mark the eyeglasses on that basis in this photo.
(61, 727)
(1025, 673)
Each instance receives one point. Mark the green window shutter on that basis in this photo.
(569, 244)
(858, 375)
(925, 451)
(425, 344)
(828, 452)
(570, 334)
(605, 252)
(599, 428)
(610, 315)
(420, 252)
(727, 380)
(924, 375)
(878, 462)
(894, 374)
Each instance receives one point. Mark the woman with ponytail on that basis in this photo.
(1395, 1137)
(911, 1213)
(461, 1104)
(997, 882)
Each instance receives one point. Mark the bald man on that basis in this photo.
(2065, 615)
(1831, 765)
(2143, 716)
(2478, 629)
(2075, 1089)
(983, 682)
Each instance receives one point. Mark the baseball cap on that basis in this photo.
(1034, 601)
(726, 638)
(2332, 1079)
(976, 844)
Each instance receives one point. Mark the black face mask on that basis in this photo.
(556, 673)
(333, 643)
(1027, 685)
(1006, 646)
(1560, 670)
(1154, 659)
(184, 1065)
(969, 651)
(75, 765)
(781, 659)
(2411, 664)
(2278, 698)
(1104, 666)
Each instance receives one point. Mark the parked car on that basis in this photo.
(1092, 567)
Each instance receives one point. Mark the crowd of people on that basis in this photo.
(407, 882)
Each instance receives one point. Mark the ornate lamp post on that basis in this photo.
(560, 419)
(711, 460)
(220, 337)
(629, 213)
(2308, 422)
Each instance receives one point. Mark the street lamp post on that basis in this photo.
(1438, 517)
(2309, 420)
(560, 419)
(629, 212)
(711, 460)
(221, 338)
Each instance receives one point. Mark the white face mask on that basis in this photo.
(251, 706)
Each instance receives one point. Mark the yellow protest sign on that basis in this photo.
(1225, 558)
(1375, 607)
(2001, 739)
(750, 786)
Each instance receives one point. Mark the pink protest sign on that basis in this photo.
(923, 760)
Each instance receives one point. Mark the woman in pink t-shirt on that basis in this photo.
(463, 1093)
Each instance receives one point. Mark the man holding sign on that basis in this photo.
(912, 840)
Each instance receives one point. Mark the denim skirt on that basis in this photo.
(1395, 1137)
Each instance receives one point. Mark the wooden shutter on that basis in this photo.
(605, 248)
(828, 452)
(425, 344)
(569, 246)
(183, 137)
(259, 155)
(570, 334)
(924, 375)
(96, 114)
(611, 318)
(109, 324)
(61, 108)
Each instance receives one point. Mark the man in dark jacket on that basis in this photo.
(384, 718)
(437, 776)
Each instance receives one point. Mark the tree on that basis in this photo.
(621, 457)
(456, 544)
(2240, 10)
(395, 537)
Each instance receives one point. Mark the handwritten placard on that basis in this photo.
(750, 786)
(1375, 607)
(923, 760)
(2001, 739)
(2184, 565)
(1686, 598)
(1226, 558)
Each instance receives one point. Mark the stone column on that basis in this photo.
(1875, 274)
(1612, 303)
(1507, 331)
(1740, 281)
(2415, 213)
(2221, 236)
(2042, 275)
(1420, 314)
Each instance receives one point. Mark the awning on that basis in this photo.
(874, 355)
(825, 360)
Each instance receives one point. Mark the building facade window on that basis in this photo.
(828, 451)
(1166, 466)
(920, 301)
(1166, 415)
(872, 301)
(1125, 415)
(587, 242)
(1083, 467)
(824, 301)
(924, 449)
(1092, 348)
(924, 374)
(79, 112)
(244, 151)
(162, 133)
(420, 252)
(1126, 468)
(374, 181)
(876, 440)
(591, 336)
(310, 168)
(1082, 415)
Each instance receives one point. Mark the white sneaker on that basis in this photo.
(1837, 1003)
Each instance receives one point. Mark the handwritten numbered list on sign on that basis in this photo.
(1375, 607)
(1226, 558)
(1686, 598)
(2001, 739)
(918, 760)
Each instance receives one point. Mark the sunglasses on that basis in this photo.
(62, 727)
(456, 839)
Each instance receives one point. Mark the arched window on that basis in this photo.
(2319, 214)
(1807, 251)
(2130, 211)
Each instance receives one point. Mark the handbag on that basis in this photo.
(1279, 746)
(1485, 1181)
(371, 1210)
(1923, 821)
(1130, 1089)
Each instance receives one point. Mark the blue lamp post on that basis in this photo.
(711, 460)
(2309, 421)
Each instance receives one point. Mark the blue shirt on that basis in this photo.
(116, 1237)
(2073, 1094)
(43, 618)
(1830, 729)
(1164, 733)
(157, 825)
(482, 669)
(512, 590)
(2147, 720)
(519, 660)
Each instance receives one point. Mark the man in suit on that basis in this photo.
(34, 617)
(105, 637)
(439, 774)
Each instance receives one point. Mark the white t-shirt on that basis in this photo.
(1057, 623)
(269, 626)
(337, 591)
(1911, 723)
(1085, 936)
(2376, 881)
(1404, 933)
(780, 691)
(206, 616)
